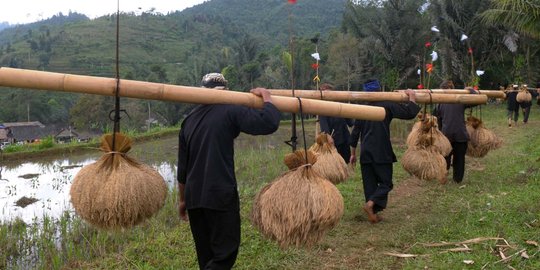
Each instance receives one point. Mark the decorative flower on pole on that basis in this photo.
(429, 68)
(292, 1)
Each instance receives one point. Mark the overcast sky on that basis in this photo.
(25, 11)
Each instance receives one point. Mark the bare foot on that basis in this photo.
(368, 208)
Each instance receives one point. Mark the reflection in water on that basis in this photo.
(49, 179)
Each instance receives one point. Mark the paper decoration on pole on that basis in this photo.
(428, 44)
(479, 72)
(419, 72)
(470, 50)
(429, 68)
(292, 1)
(463, 37)
(434, 56)
(315, 65)
(316, 56)
(316, 79)
(435, 29)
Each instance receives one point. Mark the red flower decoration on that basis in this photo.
(315, 66)
(292, 1)
(429, 68)
(420, 86)
(470, 50)
(475, 87)
(428, 44)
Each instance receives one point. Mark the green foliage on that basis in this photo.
(46, 142)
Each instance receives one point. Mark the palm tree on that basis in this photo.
(523, 16)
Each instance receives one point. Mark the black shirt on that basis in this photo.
(338, 127)
(451, 119)
(375, 145)
(206, 151)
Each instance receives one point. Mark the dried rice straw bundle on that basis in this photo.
(425, 163)
(482, 140)
(427, 129)
(330, 164)
(524, 95)
(297, 208)
(116, 191)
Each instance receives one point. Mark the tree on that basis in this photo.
(392, 33)
(523, 16)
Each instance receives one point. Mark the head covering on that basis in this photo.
(213, 80)
(372, 86)
(448, 84)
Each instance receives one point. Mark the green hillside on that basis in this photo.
(245, 38)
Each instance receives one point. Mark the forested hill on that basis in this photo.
(274, 20)
(243, 38)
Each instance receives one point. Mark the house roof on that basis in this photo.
(24, 124)
(23, 131)
(67, 133)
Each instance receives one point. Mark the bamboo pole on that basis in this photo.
(31, 79)
(489, 93)
(383, 96)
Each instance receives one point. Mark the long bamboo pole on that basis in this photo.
(31, 79)
(421, 97)
(489, 93)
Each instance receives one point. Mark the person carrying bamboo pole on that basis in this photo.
(337, 127)
(451, 118)
(376, 153)
(512, 106)
(208, 193)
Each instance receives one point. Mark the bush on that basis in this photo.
(47, 142)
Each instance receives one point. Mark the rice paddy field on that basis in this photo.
(489, 221)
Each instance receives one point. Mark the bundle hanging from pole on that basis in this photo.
(116, 191)
(330, 164)
(482, 140)
(299, 207)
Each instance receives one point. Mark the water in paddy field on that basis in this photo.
(34, 188)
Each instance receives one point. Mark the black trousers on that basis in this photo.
(377, 180)
(345, 151)
(456, 159)
(526, 112)
(217, 237)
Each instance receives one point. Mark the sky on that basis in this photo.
(26, 11)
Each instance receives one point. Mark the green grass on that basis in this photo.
(499, 197)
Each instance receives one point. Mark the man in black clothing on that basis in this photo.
(376, 153)
(337, 127)
(451, 119)
(208, 191)
(526, 106)
(512, 106)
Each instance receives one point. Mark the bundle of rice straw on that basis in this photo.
(299, 207)
(116, 191)
(482, 140)
(427, 126)
(425, 163)
(524, 95)
(330, 164)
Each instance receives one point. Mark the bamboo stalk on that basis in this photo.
(383, 96)
(489, 93)
(31, 79)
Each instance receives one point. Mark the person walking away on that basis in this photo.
(451, 119)
(526, 105)
(337, 127)
(512, 106)
(208, 192)
(376, 153)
